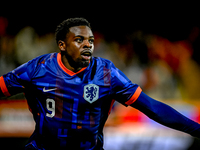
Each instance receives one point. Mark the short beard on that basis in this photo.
(83, 63)
(78, 64)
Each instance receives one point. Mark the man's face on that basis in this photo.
(78, 46)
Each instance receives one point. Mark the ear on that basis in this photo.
(61, 45)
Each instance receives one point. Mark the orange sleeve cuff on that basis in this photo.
(3, 87)
(134, 96)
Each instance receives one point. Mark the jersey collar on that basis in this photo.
(62, 66)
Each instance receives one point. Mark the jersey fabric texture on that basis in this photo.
(166, 115)
(70, 109)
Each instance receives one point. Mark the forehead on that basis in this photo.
(80, 30)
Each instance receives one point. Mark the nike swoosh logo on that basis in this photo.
(44, 90)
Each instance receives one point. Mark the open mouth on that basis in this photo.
(86, 55)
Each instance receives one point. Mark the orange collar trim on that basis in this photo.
(62, 66)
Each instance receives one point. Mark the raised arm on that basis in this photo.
(166, 115)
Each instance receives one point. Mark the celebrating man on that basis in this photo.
(71, 93)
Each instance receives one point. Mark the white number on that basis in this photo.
(50, 104)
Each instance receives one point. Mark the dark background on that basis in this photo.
(114, 20)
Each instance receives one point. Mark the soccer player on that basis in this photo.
(71, 93)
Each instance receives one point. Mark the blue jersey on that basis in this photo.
(70, 109)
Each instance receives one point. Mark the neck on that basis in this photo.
(70, 64)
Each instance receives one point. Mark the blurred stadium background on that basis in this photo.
(156, 46)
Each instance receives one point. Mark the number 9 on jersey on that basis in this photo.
(50, 104)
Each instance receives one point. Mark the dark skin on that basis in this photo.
(77, 48)
(76, 53)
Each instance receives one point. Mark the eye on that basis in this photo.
(79, 40)
(91, 41)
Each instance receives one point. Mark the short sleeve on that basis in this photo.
(123, 89)
(15, 81)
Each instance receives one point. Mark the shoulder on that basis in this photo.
(103, 62)
(108, 67)
(43, 58)
(36, 64)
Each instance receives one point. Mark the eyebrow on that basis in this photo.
(83, 36)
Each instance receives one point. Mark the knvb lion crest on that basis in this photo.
(91, 92)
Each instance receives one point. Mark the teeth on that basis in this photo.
(87, 54)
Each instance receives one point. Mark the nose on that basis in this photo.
(87, 44)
